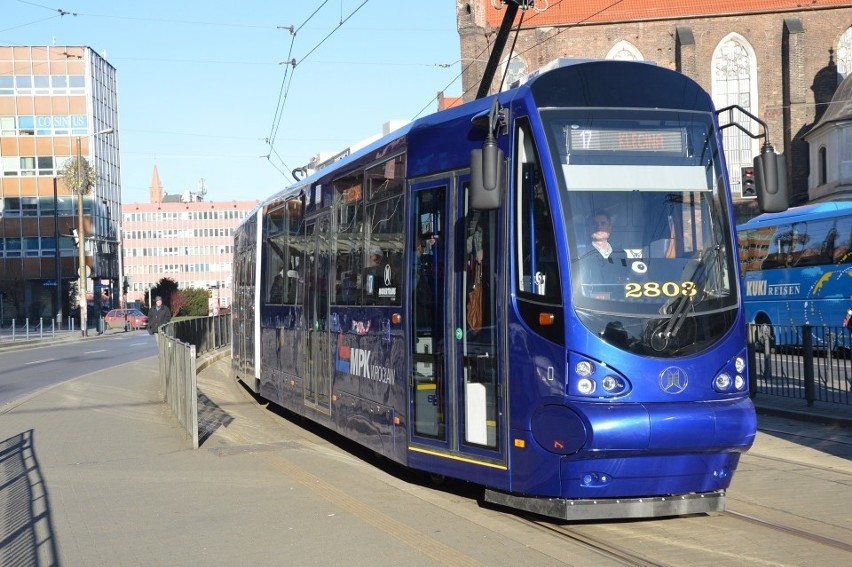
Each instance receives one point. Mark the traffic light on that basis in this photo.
(747, 187)
(209, 294)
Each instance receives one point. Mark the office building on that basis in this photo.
(181, 237)
(56, 103)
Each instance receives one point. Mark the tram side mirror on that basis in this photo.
(487, 177)
(770, 179)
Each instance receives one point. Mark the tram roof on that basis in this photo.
(686, 93)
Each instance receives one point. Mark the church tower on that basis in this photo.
(156, 187)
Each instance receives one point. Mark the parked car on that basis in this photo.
(126, 319)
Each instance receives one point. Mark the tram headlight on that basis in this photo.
(739, 382)
(739, 364)
(722, 382)
(588, 378)
(584, 368)
(612, 384)
(586, 386)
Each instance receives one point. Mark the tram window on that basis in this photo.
(383, 253)
(276, 242)
(537, 263)
(383, 248)
(349, 234)
(387, 179)
(283, 259)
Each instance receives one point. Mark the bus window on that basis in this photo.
(843, 245)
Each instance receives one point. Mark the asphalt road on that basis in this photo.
(26, 371)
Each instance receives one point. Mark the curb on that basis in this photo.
(818, 418)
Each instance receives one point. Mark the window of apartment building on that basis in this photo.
(7, 85)
(77, 84)
(42, 84)
(28, 165)
(29, 206)
(45, 165)
(10, 165)
(7, 126)
(26, 125)
(48, 245)
(24, 84)
(13, 247)
(12, 207)
(31, 246)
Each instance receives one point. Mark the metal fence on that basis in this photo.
(179, 382)
(180, 344)
(205, 333)
(810, 363)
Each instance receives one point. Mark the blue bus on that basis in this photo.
(797, 270)
(537, 291)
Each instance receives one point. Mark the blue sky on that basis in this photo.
(199, 81)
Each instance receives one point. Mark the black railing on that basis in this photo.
(205, 333)
(810, 363)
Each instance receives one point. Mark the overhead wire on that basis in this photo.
(284, 91)
(511, 56)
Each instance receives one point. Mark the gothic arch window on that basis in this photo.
(625, 51)
(735, 82)
(844, 53)
(823, 166)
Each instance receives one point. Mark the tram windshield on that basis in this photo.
(648, 231)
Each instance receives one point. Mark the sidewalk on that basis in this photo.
(835, 415)
(36, 339)
(97, 472)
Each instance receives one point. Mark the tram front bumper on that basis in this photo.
(636, 450)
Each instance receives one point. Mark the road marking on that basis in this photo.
(95, 351)
(41, 361)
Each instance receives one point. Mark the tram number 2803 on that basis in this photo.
(660, 289)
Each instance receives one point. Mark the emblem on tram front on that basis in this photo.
(673, 380)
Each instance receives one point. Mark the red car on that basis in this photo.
(126, 319)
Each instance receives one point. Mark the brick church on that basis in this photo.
(781, 60)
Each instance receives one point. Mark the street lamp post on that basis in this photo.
(81, 234)
(56, 256)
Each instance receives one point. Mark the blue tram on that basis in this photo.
(536, 291)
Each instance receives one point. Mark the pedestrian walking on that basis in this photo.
(158, 316)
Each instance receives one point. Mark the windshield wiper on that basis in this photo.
(682, 304)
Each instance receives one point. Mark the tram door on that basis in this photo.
(317, 383)
(454, 390)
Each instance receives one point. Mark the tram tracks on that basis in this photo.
(782, 460)
(598, 545)
(789, 530)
